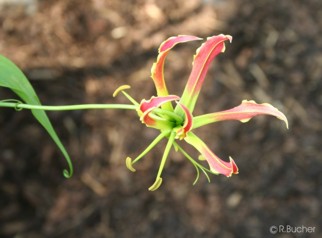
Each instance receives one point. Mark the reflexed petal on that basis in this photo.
(244, 112)
(182, 132)
(172, 41)
(157, 68)
(153, 102)
(146, 106)
(205, 54)
(215, 163)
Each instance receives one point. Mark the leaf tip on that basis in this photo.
(67, 174)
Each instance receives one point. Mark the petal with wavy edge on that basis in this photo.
(172, 41)
(244, 112)
(146, 106)
(215, 163)
(187, 126)
(153, 102)
(204, 55)
(157, 68)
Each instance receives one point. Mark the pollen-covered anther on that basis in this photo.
(157, 183)
(180, 134)
(129, 165)
(120, 89)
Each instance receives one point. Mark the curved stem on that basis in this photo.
(67, 107)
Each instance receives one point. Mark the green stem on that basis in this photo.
(67, 107)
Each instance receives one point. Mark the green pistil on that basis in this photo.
(197, 165)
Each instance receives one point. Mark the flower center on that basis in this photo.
(166, 118)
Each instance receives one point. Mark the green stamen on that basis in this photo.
(156, 184)
(153, 143)
(121, 89)
(158, 180)
(131, 99)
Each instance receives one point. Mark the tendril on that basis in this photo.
(15, 101)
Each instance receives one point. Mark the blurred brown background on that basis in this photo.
(77, 51)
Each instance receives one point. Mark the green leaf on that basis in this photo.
(13, 78)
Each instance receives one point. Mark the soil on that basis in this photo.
(81, 51)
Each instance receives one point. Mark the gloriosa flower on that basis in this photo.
(176, 121)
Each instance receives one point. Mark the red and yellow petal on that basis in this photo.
(172, 41)
(157, 68)
(153, 102)
(204, 56)
(146, 106)
(244, 112)
(216, 164)
(187, 126)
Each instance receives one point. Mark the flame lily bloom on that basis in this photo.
(176, 121)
